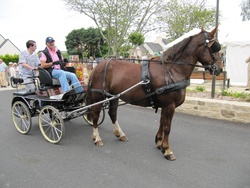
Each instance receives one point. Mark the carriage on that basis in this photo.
(51, 106)
(158, 83)
(48, 104)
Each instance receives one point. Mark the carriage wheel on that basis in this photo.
(51, 124)
(21, 117)
(100, 120)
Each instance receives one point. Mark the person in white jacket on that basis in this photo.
(12, 71)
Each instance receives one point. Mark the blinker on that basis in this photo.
(216, 47)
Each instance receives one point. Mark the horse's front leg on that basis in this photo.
(113, 116)
(159, 135)
(118, 132)
(167, 114)
(95, 116)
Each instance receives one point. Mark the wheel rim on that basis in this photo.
(100, 120)
(21, 117)
(51, 124)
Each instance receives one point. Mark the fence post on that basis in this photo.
(213, 86)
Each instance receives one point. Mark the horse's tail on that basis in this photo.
(89, 99)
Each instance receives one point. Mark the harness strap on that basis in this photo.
(171, 87)
(145, 77)
(100, 91)
(105, 74)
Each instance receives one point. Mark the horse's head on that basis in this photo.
(208, 52)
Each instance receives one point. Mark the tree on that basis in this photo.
(245, 10)
(124, 50)
(181, 16)
(136, 39)
(118, 17)
(88, 41)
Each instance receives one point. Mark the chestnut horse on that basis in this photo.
(166, 89)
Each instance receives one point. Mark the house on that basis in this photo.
(150, 48)
(7, 47)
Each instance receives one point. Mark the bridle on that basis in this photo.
(213, 47)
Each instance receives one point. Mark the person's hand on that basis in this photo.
(56, 63)
(61, 64)
(35, 68)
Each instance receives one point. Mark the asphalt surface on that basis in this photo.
(210, 153)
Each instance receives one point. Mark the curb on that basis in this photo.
(218, 109)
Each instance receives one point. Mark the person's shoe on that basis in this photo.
(58, 97)
(246, 89)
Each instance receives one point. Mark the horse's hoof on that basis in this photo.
(99, 143)
(123, 138)
(170, 157)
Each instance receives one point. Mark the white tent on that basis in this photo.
(237, 45)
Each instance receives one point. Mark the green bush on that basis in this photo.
(9, 58)
(200, 88)
(241, 95)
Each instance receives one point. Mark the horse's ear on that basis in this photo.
(213, 32)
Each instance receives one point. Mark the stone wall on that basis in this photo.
(219, 109)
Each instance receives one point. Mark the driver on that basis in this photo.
(52, 60)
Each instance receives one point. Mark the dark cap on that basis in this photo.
(49, 39)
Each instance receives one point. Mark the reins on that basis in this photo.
(171, 62)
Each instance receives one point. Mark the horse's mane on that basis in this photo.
(174, 52)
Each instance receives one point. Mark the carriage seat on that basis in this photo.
(46, 80)
(15, 82)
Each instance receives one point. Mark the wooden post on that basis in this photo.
(213, 86)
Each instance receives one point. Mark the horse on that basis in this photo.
(165, 87)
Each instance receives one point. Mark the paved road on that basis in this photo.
(210, 154)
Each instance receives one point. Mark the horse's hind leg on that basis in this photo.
(113, 116)
(95, 110)
(162, 136)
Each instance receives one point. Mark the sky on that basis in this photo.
(25, 20)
